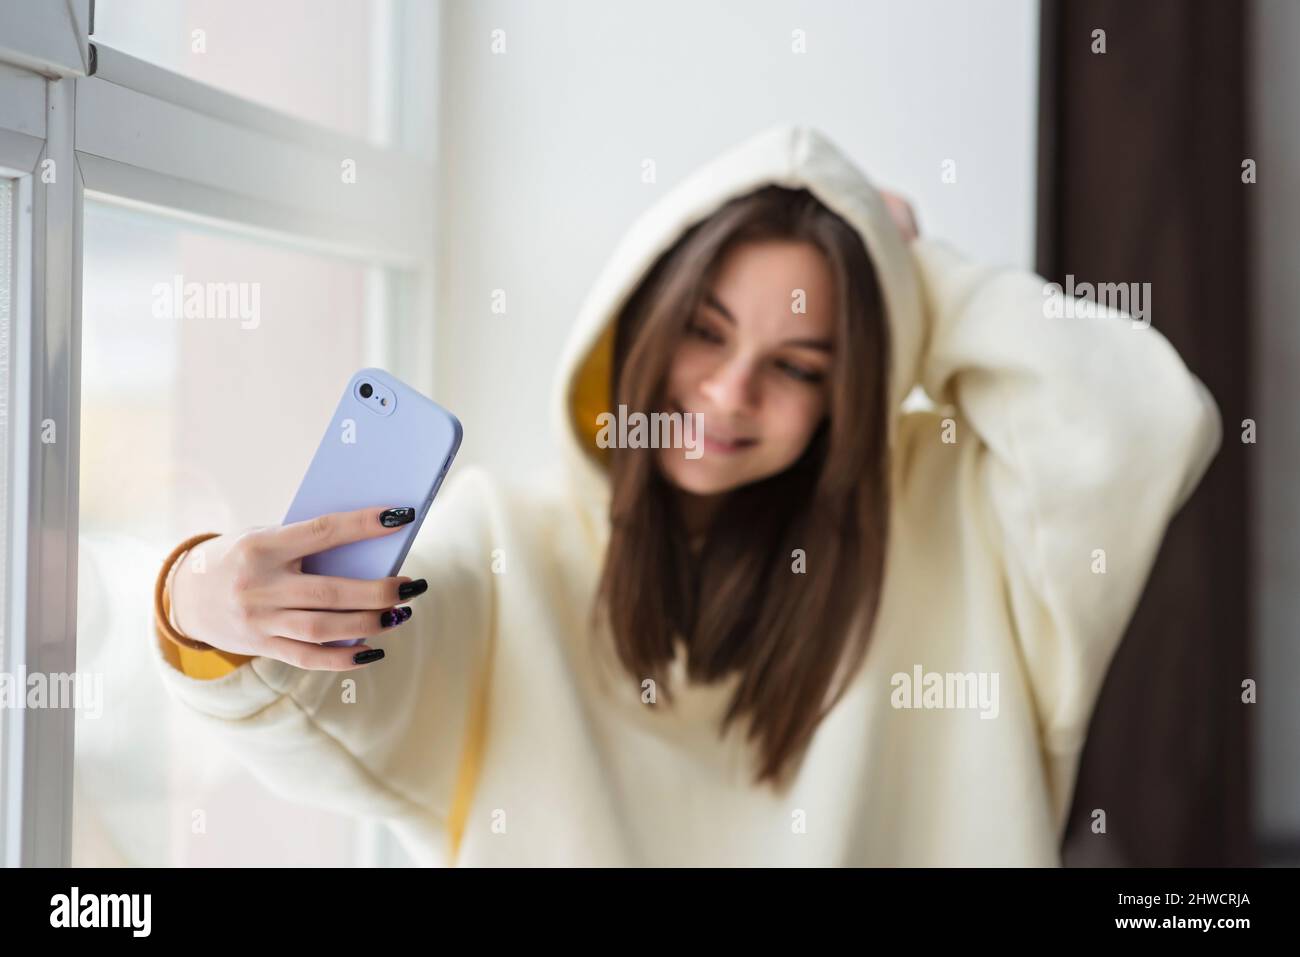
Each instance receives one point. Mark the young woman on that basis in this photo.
(842, 629)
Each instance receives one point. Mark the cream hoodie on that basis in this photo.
(499, 731)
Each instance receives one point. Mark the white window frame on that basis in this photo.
(124, 131)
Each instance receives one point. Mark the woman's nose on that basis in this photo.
(730, 387)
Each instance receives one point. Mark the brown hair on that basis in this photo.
(739, 606)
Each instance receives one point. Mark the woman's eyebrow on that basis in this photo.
(822, 345)
(711, 300)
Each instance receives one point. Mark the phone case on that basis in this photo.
(392, 447)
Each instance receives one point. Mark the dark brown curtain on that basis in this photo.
(1139, 180)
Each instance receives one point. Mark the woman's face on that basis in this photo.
(755, 360)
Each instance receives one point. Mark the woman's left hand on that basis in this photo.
(900, 210)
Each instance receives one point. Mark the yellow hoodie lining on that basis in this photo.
(589, 396)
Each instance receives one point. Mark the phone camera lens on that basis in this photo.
(366, 391)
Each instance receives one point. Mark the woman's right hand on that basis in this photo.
(247, 593)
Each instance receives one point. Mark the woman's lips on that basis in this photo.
(723, 447)
(720, 442)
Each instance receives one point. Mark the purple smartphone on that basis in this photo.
(386, 445)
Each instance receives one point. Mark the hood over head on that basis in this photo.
(795, 157)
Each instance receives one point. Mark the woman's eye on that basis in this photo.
(799, 373)
(703, 332)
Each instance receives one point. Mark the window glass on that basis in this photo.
(315, 59)
(210, 366)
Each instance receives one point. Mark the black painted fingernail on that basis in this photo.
(396, 516)
(395, 616)
(365, 657)
(411, 589)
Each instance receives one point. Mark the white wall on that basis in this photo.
(541, 151)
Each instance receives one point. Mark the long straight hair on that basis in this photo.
(744, 606)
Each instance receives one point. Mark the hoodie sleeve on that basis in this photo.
(393, 740)
(1092, 434)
